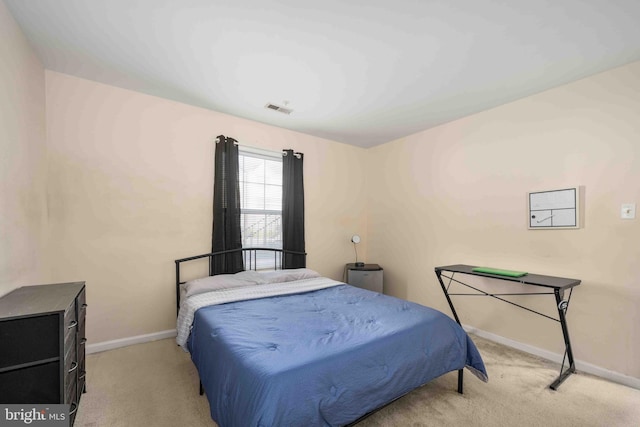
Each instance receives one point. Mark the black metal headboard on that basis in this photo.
(249, 257)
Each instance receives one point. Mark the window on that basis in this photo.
(261, 200)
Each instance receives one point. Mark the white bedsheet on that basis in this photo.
(189, 307)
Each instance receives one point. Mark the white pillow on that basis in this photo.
(222, 281)
(279, 276)
(245, 278)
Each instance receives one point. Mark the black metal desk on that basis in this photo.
(558, 284)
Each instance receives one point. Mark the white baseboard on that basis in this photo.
(123, 342)
(555, 357)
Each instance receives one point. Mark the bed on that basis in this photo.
(290, 347)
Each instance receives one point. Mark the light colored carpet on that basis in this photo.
(155, 384)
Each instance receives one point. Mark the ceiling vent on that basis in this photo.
(278, 108)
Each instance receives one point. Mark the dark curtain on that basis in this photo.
(226, 208)
(293, 209)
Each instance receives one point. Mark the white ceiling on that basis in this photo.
(362, 72)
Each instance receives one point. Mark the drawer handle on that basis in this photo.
(72, 324)
(82, 341)
(74, 366)
(82, 375)
(84, 305)
(73, 409)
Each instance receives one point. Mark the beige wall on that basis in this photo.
(456, 194)
(131, 188)
(22, 160)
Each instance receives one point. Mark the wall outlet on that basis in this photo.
(628, 211)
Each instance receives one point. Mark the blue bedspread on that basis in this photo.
(320, 358)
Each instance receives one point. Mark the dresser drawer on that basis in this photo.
(70, 315)
(18, 346)
(71, 383)
(82, 303)
(70, 353)
(70, 322)
(73, 409)
(38, 384)
(81, 355)
(82, 380)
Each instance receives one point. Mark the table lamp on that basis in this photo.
(355, 239)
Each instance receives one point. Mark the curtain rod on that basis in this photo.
(296, 154)
(259, 150)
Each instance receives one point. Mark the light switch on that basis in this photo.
(628, 211)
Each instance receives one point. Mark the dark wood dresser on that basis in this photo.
(42, 345)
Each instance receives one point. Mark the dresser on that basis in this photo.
(42, 345)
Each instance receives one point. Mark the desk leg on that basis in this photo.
(446, 294)
(567, 342)
(455, 315)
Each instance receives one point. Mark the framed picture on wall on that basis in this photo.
(554, 209)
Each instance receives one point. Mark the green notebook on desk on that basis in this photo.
(499, 272)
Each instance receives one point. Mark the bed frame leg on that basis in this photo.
(460, 381)
(201, 389)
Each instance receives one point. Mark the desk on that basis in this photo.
(556, 286)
